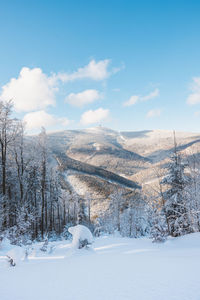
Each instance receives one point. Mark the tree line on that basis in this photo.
(34, 203)
(176, 209)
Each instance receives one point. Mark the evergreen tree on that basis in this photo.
(175, 197)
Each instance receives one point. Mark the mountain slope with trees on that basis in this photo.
(52, 181)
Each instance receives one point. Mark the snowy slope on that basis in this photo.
(134, 155)
(117, 269)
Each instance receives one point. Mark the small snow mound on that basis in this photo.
(82, 236)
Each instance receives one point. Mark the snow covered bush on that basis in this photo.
(11, 261)
(82, 236)
(45, 245)
(176, 197)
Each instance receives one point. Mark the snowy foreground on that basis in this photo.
(116, 268)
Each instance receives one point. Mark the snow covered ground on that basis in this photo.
(116, 269)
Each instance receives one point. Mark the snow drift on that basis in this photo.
(82, 236)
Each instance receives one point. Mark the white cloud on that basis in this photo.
(94, 116)
(132, 100)
(36, 120)
(136, 98)
(151, 95)
(32, 90)
(153, 113)
(83, 98)
(194, 97)
(94, 70)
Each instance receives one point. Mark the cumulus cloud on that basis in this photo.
(32, 90)
(83, 98)
(94, 70)
(153, 113)
(94, 116)
(136, 98)
(36, 120)
(194, 97)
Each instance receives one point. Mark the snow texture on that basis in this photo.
(117, 269)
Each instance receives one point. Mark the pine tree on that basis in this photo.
(157, 222)
(175, 197)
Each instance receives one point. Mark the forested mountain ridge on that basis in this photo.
(100, 160)
(132, 155)
(105, 179)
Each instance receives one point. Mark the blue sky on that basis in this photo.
(128, 65)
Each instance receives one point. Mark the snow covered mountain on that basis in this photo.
(96, 160)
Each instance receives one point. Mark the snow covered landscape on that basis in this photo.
(97, 235)
(115, 268)
(100, 150)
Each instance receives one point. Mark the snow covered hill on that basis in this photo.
(96, 160)
(116, 269)
(129, 154)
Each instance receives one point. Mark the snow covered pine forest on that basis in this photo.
(144, 246)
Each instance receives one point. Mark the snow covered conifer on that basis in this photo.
(175, 197)
(158, 225)
(22, 229)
